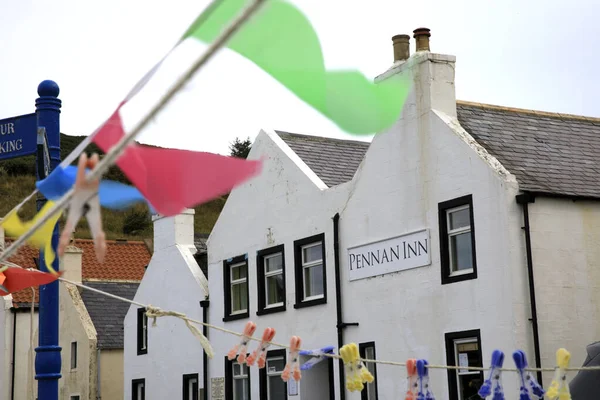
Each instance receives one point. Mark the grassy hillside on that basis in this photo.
(17, 180)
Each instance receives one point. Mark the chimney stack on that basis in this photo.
(171, 231)
(401, 47)
(71, 263)
(422, 36)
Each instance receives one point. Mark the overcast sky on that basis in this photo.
(538, 54)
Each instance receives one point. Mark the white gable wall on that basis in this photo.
(173, 281)
(280, 206)
(424, 160)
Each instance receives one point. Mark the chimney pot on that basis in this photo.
(422, 36)
(401, 47)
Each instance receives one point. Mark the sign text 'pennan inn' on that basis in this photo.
(390, 255)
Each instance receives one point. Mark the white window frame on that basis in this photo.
(460, 373)
(241, 376)
(240, 281)
(190, 383)
(270, 374)
(456, 232)
(270, 274)
(309, 265)
(144, 332)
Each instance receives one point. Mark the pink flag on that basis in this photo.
(170, 179)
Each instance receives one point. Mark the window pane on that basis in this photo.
(461, 252)
(313, 281)
(236, 369)
(277, 388)
(312, 253)
(238, 272)
(239, 389)
(239, 297)
(275, 365)
(460, 219)
(274, 263)
(275, 289)
(370, 355)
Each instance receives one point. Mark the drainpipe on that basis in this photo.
(524, 200)
(98, 380)
(14, 348)
(204, 304)
(338, 304)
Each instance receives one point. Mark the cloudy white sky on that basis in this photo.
(538, 54)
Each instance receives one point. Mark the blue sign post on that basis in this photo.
(39, 134)
(47, 359)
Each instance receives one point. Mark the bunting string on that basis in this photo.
(118, 149)
(155, 312)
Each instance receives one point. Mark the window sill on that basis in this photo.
(310, 303)
(271, 310)
(235, 317)
(459, 277)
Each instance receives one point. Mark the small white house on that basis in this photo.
(462, 229)
(166, 361)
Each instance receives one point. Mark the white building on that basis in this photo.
(166, 361)
(419, 245)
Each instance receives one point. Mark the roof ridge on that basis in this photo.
(303, 135)
(122, 241)
(528, 111)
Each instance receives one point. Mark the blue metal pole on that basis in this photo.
(48, 359)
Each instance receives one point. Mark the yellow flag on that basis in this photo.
(41, 238)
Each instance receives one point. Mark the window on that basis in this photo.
(457, 240)
(138, 389)
(142, 331)
(75, 397)
(235, 279)
(311, 288)
(190, 387)
(237, 380)
(367, 351)
(270, 268)
(73, 355)
(464, 349)
(272, 387)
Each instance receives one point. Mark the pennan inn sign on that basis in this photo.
(408, 251)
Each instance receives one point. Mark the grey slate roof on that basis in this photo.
(334, 161)
(548, 153)
(108, 314)
(200, 242)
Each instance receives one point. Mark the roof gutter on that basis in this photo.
(524, 200)
(338, 304)
(205, 304)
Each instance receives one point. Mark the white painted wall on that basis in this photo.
(424, 160)
(6, 343)
(173, 281)
(280, 206)
(566, 261)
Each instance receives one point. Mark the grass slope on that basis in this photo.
(17, 180)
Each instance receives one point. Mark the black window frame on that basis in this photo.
(449, 339)
(372, 368)
(262, 374)
(141, 332)
(261, 284)
(229, 378)
(298, 273)
(74, 358)
(134, 385)
(443, 208)
(186, 380)
(227, 288)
